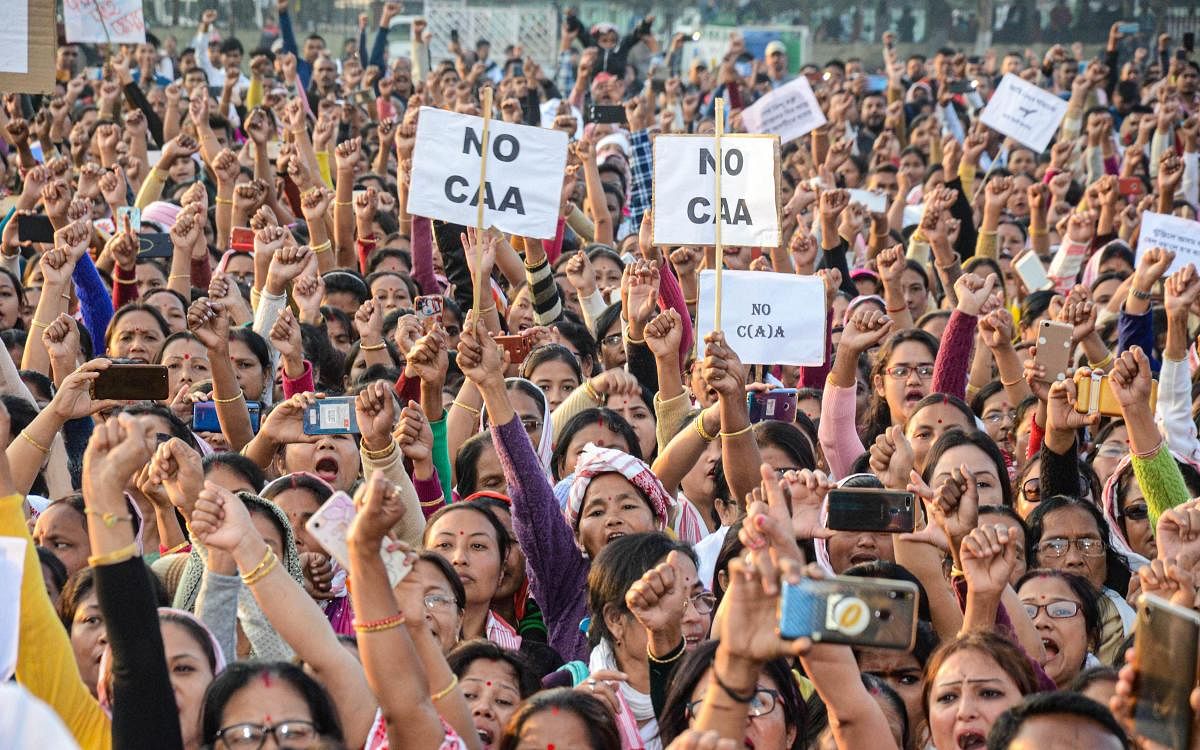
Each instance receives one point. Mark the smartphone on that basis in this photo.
(778, 405)
(241, 239)
(518, 347)
(130, 382)
(429, 306)
(155, 245)
(875, 201)
(606, 113)
(1130, 187)
(454, 35)
(204, 416)
(1165, 651)
(362, 97)
(1095, 394)
(95, 74)
(1028, 267)
(518, 69)
(330, 526)
(331, 416)
(1131, 27)
(34, 228)
(135, 217)
(877, 612)
(868, 509)
(1189, 41)
(960, 86)
(1054, 349)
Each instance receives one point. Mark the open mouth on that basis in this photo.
(485, 736)
(863, 557)
(1051, 647)
(327, 469)
(749, 743)
(970, 740)
(913, 395)
(613, 535)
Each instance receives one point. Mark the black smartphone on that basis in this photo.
(960, 86)
(34, 228)
(155, 245)
(454, 35)
(606, 113)
(1165, 652)
(867, 509)
(518, 69)
(127, 382)
(1189, 41)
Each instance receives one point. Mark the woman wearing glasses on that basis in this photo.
(1071, 535)
(1066, 611)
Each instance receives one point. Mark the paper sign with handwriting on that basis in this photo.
(685, 187)
(1024, 112)
(524, 179)
(1180, 236)
(104, 21)
(767, 317)
(789, 112)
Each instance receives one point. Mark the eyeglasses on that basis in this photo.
(434, 602)
(996, 417)
(1031, 489)
(1137, 512)
(761, 704)
(611, 340)
(704, 602)
(1111, 450)
(1058, 547)
(531, 424)
(1059, 610)
(254, 736)
(900, 372)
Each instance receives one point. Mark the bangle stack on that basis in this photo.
(377, 626)
(381, 454)
(372, 347)
(114, 557)
(323, 247)
(268, 563)
(467, 408)
(240, 394)
(1102, 363)
(699, 424)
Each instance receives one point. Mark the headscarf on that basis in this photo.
(1108, 504)
(104, 679)
(594, 461)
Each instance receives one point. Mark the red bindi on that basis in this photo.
(266, 680)
(488, 683)
(939, 421)
(187, 356)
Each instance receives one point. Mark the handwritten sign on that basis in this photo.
(525, 168)
(104, 21)
(789, 112)
(1024, 112)
(767, 317)
(685, 170)
(1180, 236)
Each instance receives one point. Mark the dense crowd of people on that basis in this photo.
(576, 537)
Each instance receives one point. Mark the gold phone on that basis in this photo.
(1095, 394)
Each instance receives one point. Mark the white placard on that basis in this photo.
(1180, 236)
(875, 201)
(768, 318)
(525, 168)
(14, 39)
(685, 190)
(1028, 114)
(104, 21)
(789, 112)
(12, 565)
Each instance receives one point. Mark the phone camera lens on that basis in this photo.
(883, 615)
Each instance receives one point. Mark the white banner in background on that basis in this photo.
(104, 21)
(789, 112)
(1029, 114)
(1180, 236)
(767, 317)
(525, 168)
(685, 188)
(12, 565)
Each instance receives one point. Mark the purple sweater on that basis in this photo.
(556, 568)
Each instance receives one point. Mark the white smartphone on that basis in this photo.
(330, 525)
(875, 201)
(1028, 266)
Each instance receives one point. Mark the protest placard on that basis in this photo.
(1180, 236)
(1024, 112)
(789, 112)
(685, 190)
(104, 21)
(525, 168)
(27, 47)
(12, 566)
(767, 317)
(875, 201)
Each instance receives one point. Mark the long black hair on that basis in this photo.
(621, 563)
(602, 415)
(954, 438)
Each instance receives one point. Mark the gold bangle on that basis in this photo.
(1039, 232)
(380, 454)
(177, 548)
(39, 324)
(35, 444)
(372, 347)
(114, 557)
(240, 394)
(698, 423)
(224, 201)
(108, 519)
(377, 626)
(467, 407)
(323, 247)
(735, 433)
(343, 203)
(1011, 383)
(124, 281)
(693, 301)
(268, 563)
(445, 691)
(1102, 363)
(173, 276)
(632, 340)
(591, 392)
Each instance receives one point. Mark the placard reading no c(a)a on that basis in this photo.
(768, 318)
